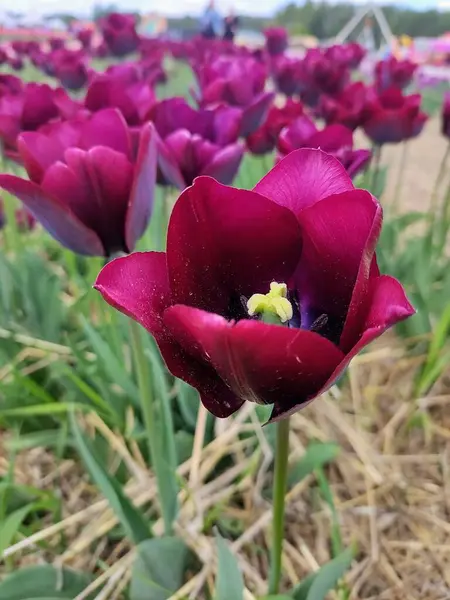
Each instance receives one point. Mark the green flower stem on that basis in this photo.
(147, 402)
(399, 183)
(279, 494)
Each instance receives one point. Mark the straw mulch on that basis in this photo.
(391, 485)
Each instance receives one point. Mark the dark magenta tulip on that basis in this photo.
(134, 100)
(26, 111)
(321, 75)
(10, 84)
(305, 233)
(264, 139)
(446, 115)
(348, 55)
(56, 43)
(392, 117)
(88, 187)
(276, 40)
(239, 82)
(196, 142)
(336, 140)
(119, 33)
(84, 36)
(70, 68)
(347, 107)
(287, 74)
(394, 73)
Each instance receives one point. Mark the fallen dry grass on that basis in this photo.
(391, 485)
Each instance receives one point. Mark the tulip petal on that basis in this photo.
(168, 166)
(143, 192)
(38, 152)
(388, 306)
(261, 363)
(303, 178)
(56, 217)
(255, 113)
(226, 243)
(360, 158)
(96, 185)
(339, 238)
(137, 285)
(225, 164)
(107, 128)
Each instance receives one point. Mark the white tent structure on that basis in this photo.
(366, 11)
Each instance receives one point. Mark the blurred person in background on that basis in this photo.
(211, 24)
(231, 24)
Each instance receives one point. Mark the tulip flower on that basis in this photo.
(264, 139)
(238, 82)
(287, 73)
(446, 115)
(84, 36)
(27, 111)
(10, 84)
(70, 68)
(88, 186)
(276, 40)
(56, 43)
(346, 108)
(321, 75)
(392, 117)
(133, 100)
(119, 33)
(193, 143)
(334, 139)
(263, 295)
(395, 73)
(348, 55)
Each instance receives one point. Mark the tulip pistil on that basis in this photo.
(274, 307)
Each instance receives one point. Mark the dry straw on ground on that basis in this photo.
(391, 485)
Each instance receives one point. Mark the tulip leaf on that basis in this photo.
(317, 455)
(135, 525)
(11, 525)
(159, 568)
(165, 455)
(44, 582)
(229, 582)
(317, 585)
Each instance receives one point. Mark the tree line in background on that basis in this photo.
(321, 19)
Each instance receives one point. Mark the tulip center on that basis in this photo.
(274, 307)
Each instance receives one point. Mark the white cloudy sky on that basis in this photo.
(178, 7)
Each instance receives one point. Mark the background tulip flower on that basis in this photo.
(238, 82)
(264, 139)
(395, 73)
(84, 36)
(133, 100)
(305, 233)
(334, 139)
(276, 40)
(286, 73)
(446, 115)
(26, 111)
(70, 68)
(346, 108)
(392, 117)
(193, 143)
(321, 75)
(10, 84)
(119, 33)
(87, 186)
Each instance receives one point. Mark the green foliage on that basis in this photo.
(229, 583)
(135, 525)
(159, 569)
(44, 582)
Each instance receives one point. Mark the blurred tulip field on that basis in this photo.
(166, 321)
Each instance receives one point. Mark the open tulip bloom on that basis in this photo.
(334, 139)
(263, 295)
(88, 186)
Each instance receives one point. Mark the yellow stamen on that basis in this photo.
(273, 304)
